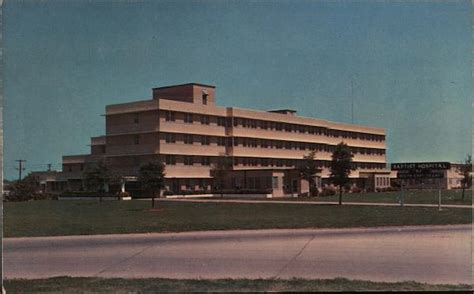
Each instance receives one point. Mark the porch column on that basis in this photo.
(122, 185)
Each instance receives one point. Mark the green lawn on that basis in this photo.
(419, 197)
(85, 217)
(157, 285)
(412, 197)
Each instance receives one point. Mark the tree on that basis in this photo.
(152, 177)
(115, 181)
(219, 172)
(24, 189)
(341, 167)
(96, 177)
(466, 172)
(309, 170)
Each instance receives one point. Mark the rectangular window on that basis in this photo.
(221, 141)
(188, 118)
(135, 118)
(170, 138)
(188, 184)
(204, 119)
(253, 142)
(221, 121)
(170, 159)
(204, 98)
(205, 140)
(188, 139)
(169, 116)
(136, 139)
(202, 185)
(236, 161)
(188, 160)
(205, 160)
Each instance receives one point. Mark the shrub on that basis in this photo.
(387, 189)
(24, 190)
(224, 191)
(85, 194)
(355, 189)
(328, 191)
(122, 195)
(305, 194)
(45, 196)
(244, 191)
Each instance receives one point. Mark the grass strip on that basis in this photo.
(155, 285)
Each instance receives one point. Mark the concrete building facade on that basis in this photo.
(183, 127)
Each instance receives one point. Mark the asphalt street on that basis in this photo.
(433, 254)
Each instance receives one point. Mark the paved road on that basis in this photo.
(435, 254)
(315, 202)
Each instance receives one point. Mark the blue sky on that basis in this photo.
(410, 63)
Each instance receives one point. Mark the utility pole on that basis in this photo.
(49, 166)
(20, 167)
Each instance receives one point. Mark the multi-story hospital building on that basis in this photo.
(183, 127)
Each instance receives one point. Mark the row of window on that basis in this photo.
(268, 162)
(190, 139)
(270, 125)
(190, 118)
(264, 182)
(304, 129)
(188, 160)
(253, 161)
(382, 181)
(291, 145)
(265, 143)
(251, 183)
(248, 161)
(255, 182)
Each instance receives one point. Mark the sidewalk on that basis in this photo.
(317, 202)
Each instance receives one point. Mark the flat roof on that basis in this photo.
(282, 110)
(187, 84)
